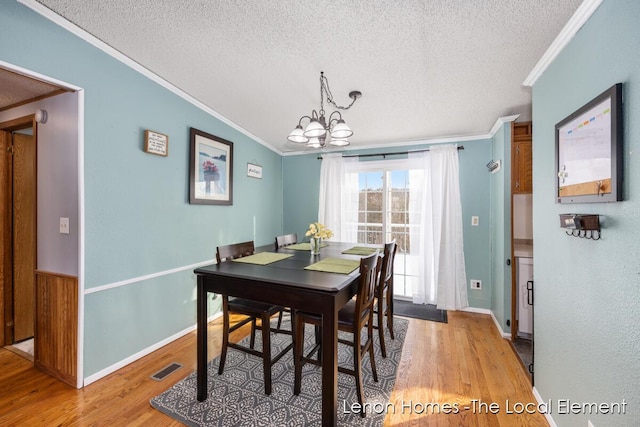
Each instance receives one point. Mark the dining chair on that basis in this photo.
(286, 240)
(352, 318)
(281, 242)
(253, 310)
(384, 294)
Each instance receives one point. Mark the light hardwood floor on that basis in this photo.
(460, 362)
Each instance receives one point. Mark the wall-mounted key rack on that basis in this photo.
(586, 226)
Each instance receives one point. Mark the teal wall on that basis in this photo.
(501, 228)
(301, 175)
(587, 306)
(138, 220)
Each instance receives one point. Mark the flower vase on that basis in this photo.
(316, 244)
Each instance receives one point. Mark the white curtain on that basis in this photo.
(436, 228)
(338, 201)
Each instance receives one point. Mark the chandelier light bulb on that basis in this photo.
(314, 129)
(314, 143)
(341, 130)
(340, 142)
(297, 135)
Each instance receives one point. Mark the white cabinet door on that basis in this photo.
(525, 310)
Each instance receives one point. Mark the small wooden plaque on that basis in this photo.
(156, 143)
(254, 171)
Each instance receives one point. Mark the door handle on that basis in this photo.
(530, 292)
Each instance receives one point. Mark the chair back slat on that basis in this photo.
(286, 240)
(233, 251)
(369, 269)
(386, 270)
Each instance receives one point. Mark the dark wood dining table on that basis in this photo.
(288, 284)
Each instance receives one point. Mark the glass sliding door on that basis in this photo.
(383, 215)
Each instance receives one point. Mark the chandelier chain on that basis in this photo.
(324, 86)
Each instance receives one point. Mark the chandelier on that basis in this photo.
(320, 130)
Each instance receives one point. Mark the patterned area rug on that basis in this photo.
(236, 398)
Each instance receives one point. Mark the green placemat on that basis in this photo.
(334, 265)
(263, 258)
(360, 250)
(303, 246)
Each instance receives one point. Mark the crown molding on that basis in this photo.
(579, 18)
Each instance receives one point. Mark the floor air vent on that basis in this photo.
(163, 373)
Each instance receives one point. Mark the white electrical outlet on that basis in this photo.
(64, 225)
(475, 221)
(476, 284)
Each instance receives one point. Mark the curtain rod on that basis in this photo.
(460, 147)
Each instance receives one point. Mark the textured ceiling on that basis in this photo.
(427, 69)
(16, 89)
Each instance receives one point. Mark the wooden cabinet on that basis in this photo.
(521, 161)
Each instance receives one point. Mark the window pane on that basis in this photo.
(383, 216)
(399, 179)
(398, 218)
(374, 200)
(399, 200)
(362, 199)
(374, 217)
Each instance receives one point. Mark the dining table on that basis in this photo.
(296, 279)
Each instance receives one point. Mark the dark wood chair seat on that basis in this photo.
(253, 310)
(354, 316)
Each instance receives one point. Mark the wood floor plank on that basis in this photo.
(455, 364)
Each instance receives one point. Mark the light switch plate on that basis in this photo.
(475, 221)
(64, 225)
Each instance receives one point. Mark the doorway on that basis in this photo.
(18, 194)
(59, 287)
(522, 285)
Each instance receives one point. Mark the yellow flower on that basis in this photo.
(318, 230)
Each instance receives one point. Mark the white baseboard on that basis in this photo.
(476, 310)
(549, 418)
(490, 312)
(111, 369)
(503, 333)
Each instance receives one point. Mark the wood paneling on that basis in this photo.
(5, 231)
(56, 337)
(453, 362)
(24, 235)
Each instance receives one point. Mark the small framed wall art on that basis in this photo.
(210, 169)
(254, 170)
(156, 143)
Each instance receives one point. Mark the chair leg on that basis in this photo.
(292, 318)
(266, 353)
(318, 336)
(225, 336)
(357, 360)
(252, 341)
(370, 340)
(390, 310)
(383, 348)
(298, 351)
(279, 320)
